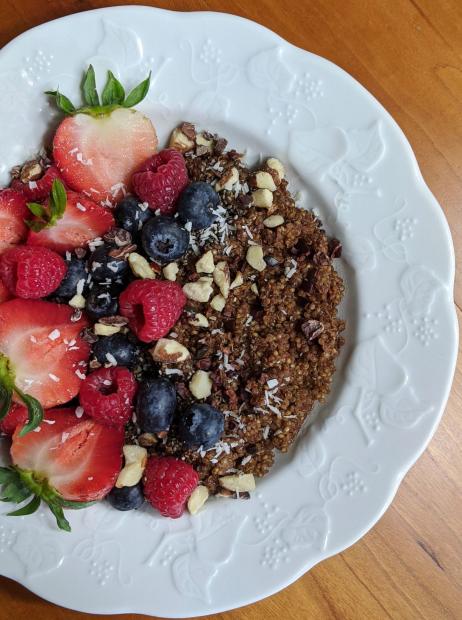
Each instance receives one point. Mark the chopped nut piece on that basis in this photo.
(264, 180)
(312, 329)
(200, 290)
(201, 140)
(180, 141)
(255, 258)
(147, 439)
(135, 461)
(199, 320)
(78, 301)
(140, 266)
(31, 171)
(245, 482)
(206, 263)
(218, 303)
(221, 277)
(238, 280)
(200, 384)
(277, 166)
(169, 351)
(170, 271)
(273, 221)
(262, 198)
(116, 320)
(230, 178)
(254, 289)
(197, 499)
(105, 330)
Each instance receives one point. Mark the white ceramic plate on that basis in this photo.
(351, 162)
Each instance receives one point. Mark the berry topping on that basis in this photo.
(119, 347)
(31, 272)
(126, 498)
(39, 188)
(200, 425)
(5, 294)
(130, 214)
(164, 240)
(107, 395)
(197, 204)
(160, 180)
(17, 415)
(13, 213)
(75, 281)
(68, 463)
(101, 302)
(106, 268)
(152, 307)
(155, 405)
(168, 483)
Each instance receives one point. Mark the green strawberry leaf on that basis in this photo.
(61, 520)
(15, 492)
(28, 509)
(6, 396)
(8, 474)
(113, 93)
(58, 202)
(63, 103)
(66, 503)
(90, 94)
(6, 385)
(36, 209)
(138, 93)
(34, 409)
(35, 225)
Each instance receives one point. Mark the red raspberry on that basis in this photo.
(40, 188)
(152, 307)
(31, 272)
(161, 179)
(107, 395)
(16, 415)
(5, 294)
(168, 483)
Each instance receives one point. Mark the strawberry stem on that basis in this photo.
(46, 218)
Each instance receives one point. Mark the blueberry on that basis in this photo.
(101, 302)
(117, 345)
(126, 498)
(200, 425)
(75, 279)
(164, 240)
(155, 405)
(105, 268)
(196, 204)
(130, 215)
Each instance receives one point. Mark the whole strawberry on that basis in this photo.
(107, 395)
(168, 483)
(31, 272)
(152, 307)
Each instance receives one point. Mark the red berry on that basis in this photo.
(152, 307)
(31, 272)
(167, 483)
(107, 395)
(13, 213)
(40, 188)
(16, 415)
(5, 294)
(161, 179)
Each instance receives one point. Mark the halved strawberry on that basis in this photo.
(67, 463)
(101, 144)
(13, 212)
(41, 354)
(81, 220)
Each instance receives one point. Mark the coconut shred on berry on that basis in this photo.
(168, 318)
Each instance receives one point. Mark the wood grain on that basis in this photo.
(408, 53)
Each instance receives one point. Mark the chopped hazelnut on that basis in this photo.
(255, 258)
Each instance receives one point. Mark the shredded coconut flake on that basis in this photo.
(54, 335)
(111, 359)
(80, 207)
(272, 383)
(79, 411)
(53, 377)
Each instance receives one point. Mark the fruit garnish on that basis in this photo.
(70, 463)
(167, 483)
(39, 188)
(47, 216)
(107, 395)
(155, 405)
(197, 204)
(164, 240)
(42, 356)
(13, 212)
(100, 144)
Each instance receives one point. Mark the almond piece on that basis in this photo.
(262, 198)
(254, 289)
(218, 303)
(255, 258)
(140, 266)
(135, 461)
(78, 301)
(221, 277)
(264, 180)
(197, 499)
(170, 271)
(277, 166)
(205, 264)
(199, 291)
(273, 221)
(201, 140)
(230, 178)
(200, 384)
(169, 351)
(244, 482)
(180, 141)
(238, 281)
(105, 330)
(199, 320)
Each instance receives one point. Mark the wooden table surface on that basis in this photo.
(408, 53)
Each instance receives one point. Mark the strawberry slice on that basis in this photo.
(4, 292)
(69, 462)
(77, 221)
(41, 353)
(16, 415)
(13, 212)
